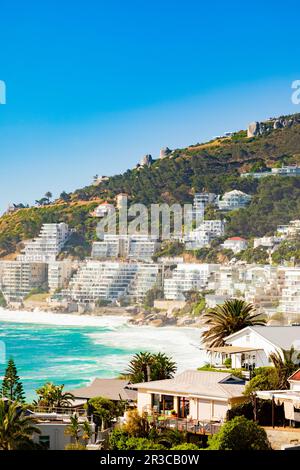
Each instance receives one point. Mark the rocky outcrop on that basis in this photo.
(261, 128)
(147, 160)
(164, 152)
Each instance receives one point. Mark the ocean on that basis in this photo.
(74, 349)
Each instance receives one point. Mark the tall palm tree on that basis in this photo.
(284, 366)
(16, 429)
(223, 320)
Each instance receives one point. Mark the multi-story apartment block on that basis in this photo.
(290, 299)
(204, 199)
(234, 200)
(207, 231)
(47, 245)
(187, 277)
(59, 274)
(132, 247)
(18, 278)
(111, 281)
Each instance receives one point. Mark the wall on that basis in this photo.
(56, 432)
(256, 341)
(143, 401)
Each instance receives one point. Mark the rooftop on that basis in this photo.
(199, 383)
(113, 389)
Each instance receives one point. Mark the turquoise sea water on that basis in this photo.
(76, 354)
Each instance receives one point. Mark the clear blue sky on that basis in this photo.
(93, 86)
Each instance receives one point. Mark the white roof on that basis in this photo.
(198, 383)
(283, 337)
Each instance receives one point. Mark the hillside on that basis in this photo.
(214, 166)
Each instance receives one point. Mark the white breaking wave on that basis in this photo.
(62, 319)
(183, 344)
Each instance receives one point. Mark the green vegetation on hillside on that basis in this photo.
(214, 166)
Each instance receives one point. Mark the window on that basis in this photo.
(44, 441)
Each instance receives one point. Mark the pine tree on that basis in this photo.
(12, 387)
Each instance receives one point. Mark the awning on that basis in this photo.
(233, 349)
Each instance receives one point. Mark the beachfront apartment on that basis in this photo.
(47, 245)
(234, 200)
(136, 247)
(110, 281)
(186, 277)
(59, 274)
(18, 278)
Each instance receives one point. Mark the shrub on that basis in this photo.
(185, 446)
(142, 443)
(240, 434)
(118, 438)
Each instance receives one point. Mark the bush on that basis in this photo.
(118, 438)
(240, 434)
(185, 446)
(142, 443)
(265, 379)
(75, 447)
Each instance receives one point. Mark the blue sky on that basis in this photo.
(93, 86)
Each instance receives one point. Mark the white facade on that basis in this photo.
(187, 277)
(234, 200)
(47, 245)
(207, 231)
(59, 273)
(263, 340)
(236, 244)
(18, 278)
(102, 210)
(133, 247)
(268, 242)
(110, 281)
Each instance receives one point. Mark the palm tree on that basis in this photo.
(223, 320)
(74, 429)
(16, 429)
(87, 431)
(162, 367)
(53, 396)
(146, 366)
(284, 366)
(139, 367)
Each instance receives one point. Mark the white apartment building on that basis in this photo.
(268, 242)
(111, 281)
(187, 277)
(47, 245)
(59, 274)
(290, 299)
(290, 170)
(18, 278)
(132, 247)
(234, 200)
(204, 199)
(207, 231)
(236, 244)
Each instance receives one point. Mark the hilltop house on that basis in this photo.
(234, 200)
(194, 395)
(236, 244)
(253, 345)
